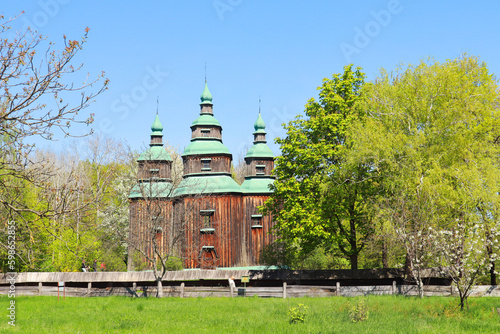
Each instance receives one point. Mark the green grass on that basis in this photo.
(387, 314)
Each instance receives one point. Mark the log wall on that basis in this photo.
(251, 166)
(207, 131)
(152, 219)
(218, 164)
(154, 169)
(224, 237)
(258, 228)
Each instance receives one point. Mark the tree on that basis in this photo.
(34, 89)
(83, 193)
(411, 216)
(461, 252)
(432, 133)
(318, 197)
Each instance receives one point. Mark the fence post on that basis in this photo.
(89, 288)
(284, 290)
(39, 288)
(134, 289)
(231, 289)
(394, 287)
(338, 289)
(182, 290)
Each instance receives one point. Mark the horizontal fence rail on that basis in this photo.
(287, 291)
(214, 283)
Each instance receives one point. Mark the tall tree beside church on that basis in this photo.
(433, 130)
(318, 195)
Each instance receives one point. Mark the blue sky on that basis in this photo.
(278, 50)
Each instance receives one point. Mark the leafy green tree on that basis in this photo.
(432, 133)
(318, 195)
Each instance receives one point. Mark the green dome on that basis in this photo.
(257, 185)
(213, 184)
(157, 128)
(259, 150)
(206, 97)
(198, 147)
(155, 153)
(155, 190)
(205, 120)
(259, 125)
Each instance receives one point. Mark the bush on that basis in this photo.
(358, 312)
(297, 314)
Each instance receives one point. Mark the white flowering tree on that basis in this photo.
(462, 252)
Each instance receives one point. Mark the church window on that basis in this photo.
(256, 221)
(261, 169)
(205, 164)
(207, 216)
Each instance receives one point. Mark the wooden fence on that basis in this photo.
(285, 291)
(213, 283)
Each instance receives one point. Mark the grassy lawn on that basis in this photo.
(387, 314)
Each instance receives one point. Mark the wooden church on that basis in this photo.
(206, 219)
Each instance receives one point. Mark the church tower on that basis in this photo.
(259, 164)
(150, 208)
(208, 196)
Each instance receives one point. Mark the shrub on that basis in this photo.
(358, 312)
(297, 314)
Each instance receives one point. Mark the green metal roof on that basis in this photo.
(256, 185)
(157, 128)
(197, 147)
(260, 126)
(205, 119)
(154, 189)
(259, 150)
(212, 184)
(206, 97)
(155, 153)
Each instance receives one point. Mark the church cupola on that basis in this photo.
(155, 163)
(157, 132)
(206, 104)
(259, 162)
(260, 131)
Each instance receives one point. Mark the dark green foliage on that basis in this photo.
(318, 199)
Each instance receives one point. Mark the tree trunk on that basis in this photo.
(493, 275)
(159, 292)
(407, 270)
(354, 261)
(462, 300)
(354, 247)
(385, 262)
(420, 286)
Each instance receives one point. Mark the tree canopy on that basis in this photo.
(410, 156)
(317, 199)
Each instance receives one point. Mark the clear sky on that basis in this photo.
(278, 50)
